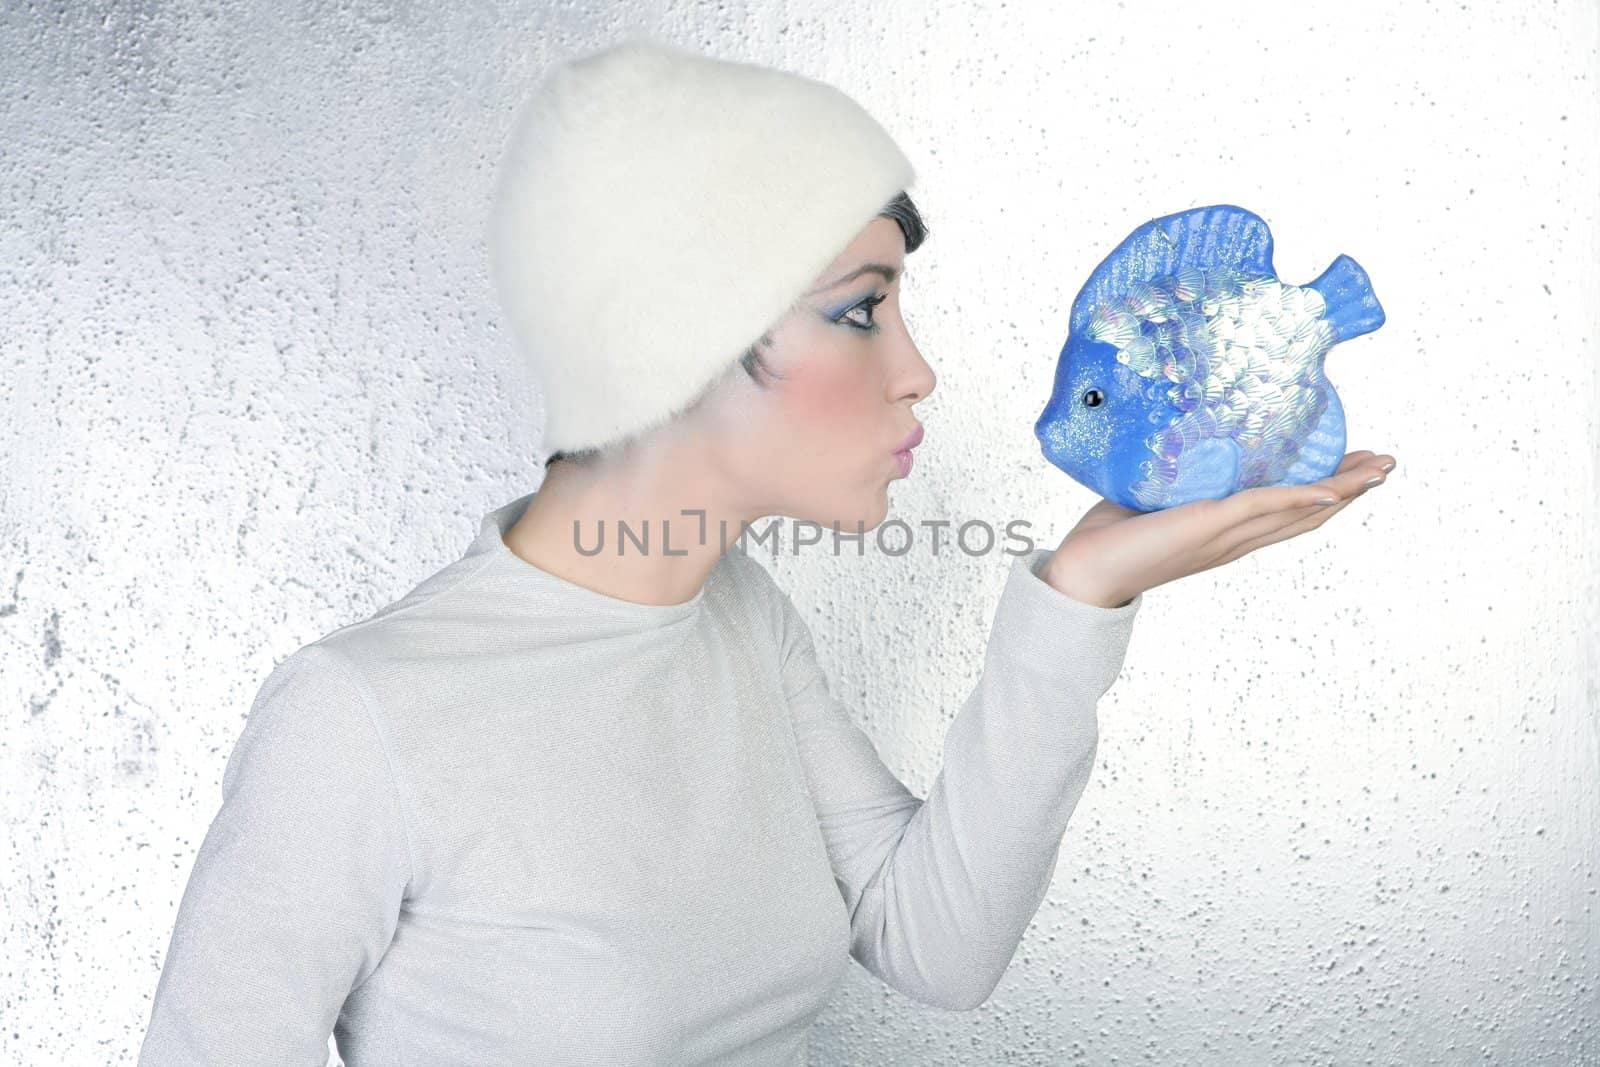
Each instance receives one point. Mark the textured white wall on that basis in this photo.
(1345, 809)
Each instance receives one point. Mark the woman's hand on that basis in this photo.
(1115, 553)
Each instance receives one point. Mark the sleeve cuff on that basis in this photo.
(1039, 626)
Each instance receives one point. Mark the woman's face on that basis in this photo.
(817, 441)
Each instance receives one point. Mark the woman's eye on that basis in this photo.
(865, 307)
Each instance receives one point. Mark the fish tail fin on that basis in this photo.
(1352, 307)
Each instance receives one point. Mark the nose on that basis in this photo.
(917, 379)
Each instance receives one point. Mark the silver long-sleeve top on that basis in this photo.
(510, 820)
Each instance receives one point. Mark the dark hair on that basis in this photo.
(915, 231)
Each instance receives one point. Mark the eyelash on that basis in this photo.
(867, 304)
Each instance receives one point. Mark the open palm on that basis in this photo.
(1114, 553)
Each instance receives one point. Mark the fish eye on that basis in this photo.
(1093, 398)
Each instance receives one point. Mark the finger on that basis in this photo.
(1274, 526)
(1352, 458)
(1357, 479)
(1262, 509)
(1265, 502)
(1292, 529)
(1227, 546)
(1271, 528)
(1353, 479)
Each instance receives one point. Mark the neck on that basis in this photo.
(657, 490)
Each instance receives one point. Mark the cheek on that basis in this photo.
(828, 393)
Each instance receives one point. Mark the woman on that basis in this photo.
(562, 807)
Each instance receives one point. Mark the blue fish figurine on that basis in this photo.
(1191, 372)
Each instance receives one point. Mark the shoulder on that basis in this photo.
(318, 667)
(312, 715)
(317, 690)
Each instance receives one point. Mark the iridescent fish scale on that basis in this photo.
(1242, 356)
(1113, 325)
(1189, 284)
(1141, 299)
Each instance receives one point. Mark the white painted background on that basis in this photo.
(1345, 809)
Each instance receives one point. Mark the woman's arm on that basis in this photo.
(940, 891)
(296, 890)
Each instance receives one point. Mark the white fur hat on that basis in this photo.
(657, 211)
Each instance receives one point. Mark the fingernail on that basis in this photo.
(1389, 466)
(1374, 480)
(1325, 500)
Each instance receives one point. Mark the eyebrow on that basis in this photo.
(889, 275)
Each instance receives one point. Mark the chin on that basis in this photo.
(878, 512)
(869, 513)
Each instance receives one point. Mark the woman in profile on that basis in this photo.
(560, 807)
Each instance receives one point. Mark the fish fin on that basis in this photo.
(1207, 470)
(1323, 448)
(1219, 236)
(1353, 308)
